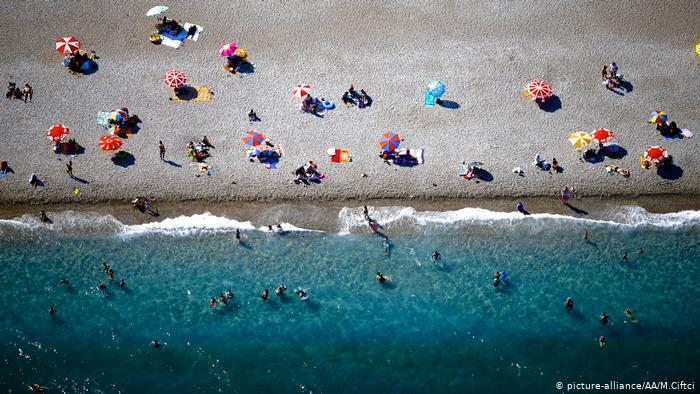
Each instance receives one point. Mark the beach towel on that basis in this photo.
(686, 133)
(402, 161)
(203, 93)
(339, 155)
(102, 119)
(429, 99)
(270, 165)
(195, 36)
(173, 41)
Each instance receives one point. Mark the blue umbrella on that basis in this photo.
(436, 88)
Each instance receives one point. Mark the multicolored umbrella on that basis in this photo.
(579, 139)
(656, 154)
(118, 115)
(538, 90)
(157, 10)
(436, 88)
(389, 141)
(227, 49)
(602, 135)
(253, 138)
(301, 90)
(67, 45)
(175, 79)
(658, 117)
(110, 142)
(57, 132)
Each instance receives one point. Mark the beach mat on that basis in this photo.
(428, 99)
(199, 93)
(103, 119)
(417, 153)
(195, 36)
(339, 155)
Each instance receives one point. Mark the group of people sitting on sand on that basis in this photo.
(545, 165)
(14, 92)
(80, 61)
(144, 204)
(124, 125)
(611, 79)
(351, 97)
(669, 130)
(404, 155)
(308, 173)
(311, 104)
(172, 27)
(69, 147)
(198, 151)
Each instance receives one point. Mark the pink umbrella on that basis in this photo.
(227, 49)
(175, 79)
(301, 90)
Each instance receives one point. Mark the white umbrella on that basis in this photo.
(159, 9)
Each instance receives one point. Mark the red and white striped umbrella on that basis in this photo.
(175, 79)
(538, 90)
(301, 90)
(657, 154)
(67, 45)
(110, 142)
(602, 135)
(57, 132)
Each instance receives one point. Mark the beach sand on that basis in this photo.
(485, 52)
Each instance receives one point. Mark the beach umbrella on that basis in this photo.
(253, 138)
(110, 142)
(697, 47)
(175, 79)
(656, 154)
(157, 10)
(241, 53)
(436, 88)
(538, 90)
(301, 90)
(118, 115)
(67, 45)
(389, 141)
(227, 49)
(578, 139)
(658, 117)
(602, 135)
(57, 132)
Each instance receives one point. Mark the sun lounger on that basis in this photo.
(404, 160)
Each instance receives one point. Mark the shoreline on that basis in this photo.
(323, 215)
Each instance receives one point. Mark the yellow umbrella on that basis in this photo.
(578, 139)
(697, 47)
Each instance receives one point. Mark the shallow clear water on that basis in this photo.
(437, 327)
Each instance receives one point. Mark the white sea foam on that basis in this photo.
(188, 225)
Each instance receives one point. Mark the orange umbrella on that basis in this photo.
(602, 135)
(110, 142)
(57, 132)
(656, 154)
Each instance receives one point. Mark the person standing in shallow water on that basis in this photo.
(569, 304)
(238, 235)
(265, 294)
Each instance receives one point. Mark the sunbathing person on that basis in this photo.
(613, 168)
(347, 100)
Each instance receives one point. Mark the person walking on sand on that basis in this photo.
(161, 148)
(69, 169)
(564, 195)
(27, 92)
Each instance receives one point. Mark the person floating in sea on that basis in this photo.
(110, 273)
(630, 317)
(64, 282)
(105, 267)
(569, 304)
(302, 294)
(601, 340)
(212, 302)
(265, 294)
(585, 235)
(102, 286)
(624, 257)
(280, 289)
(436, 256)
(640, 251)
(381, 278)
(37, 388)
(604, 319)
(52, 311)
(222, 299)
(229, 294)
(496, 279)
(122, 283)
(155, 344)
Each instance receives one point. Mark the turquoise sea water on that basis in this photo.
(436, 327)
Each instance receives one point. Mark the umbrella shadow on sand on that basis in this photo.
(188, 93)
(551, 104)
(246, 68)
(485, 176)
(449, 104)
(669, 171)
(125, 160)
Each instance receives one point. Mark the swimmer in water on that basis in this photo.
(280, 289)
(101, 286)
(155, 344)
(496, 282)
(436, 255)
(585, 235)
(269, 229)
(110, 274)
(229, 294)
(604, 319)
(212, 302)
(380, 277)
(105, 267)
(279, 228)
(64, 282)
(640, 251)
(265, 294)
(601, 340)
(37, 388)
(301, 293)
(122, 283)
(222, 299)
(386, 244)
(52, 311)
(630, 317)
(569, 304)
(624, 257)
(238, 235)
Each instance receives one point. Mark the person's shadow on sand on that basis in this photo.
(576, 210)
(172, 163)
(551, 104)
(80, 180)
